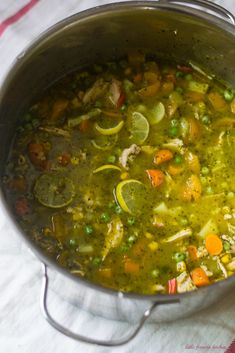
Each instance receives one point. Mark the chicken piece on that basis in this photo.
(184, 283)
(128, 155)
(96, 91)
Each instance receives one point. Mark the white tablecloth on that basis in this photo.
(22, 327)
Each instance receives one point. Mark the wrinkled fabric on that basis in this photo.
(22, 327)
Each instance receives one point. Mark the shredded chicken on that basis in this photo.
(96, 91)
(184, 283)
(115, 91)
(128, 155)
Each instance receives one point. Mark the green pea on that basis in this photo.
(123, 107)
(205, 170)
(111, 159)
(209, 190)
(97, 261)
(105, 217)
(205, 120)
(183, 221)
(111, 204)
(88, 229)
(35, 122)
(178, 159)
(228, 95)
(179, 90)
(131, 239)
(124, 248)
(226, 245)
(179, 74)
(188, 77)
(173, 131)
(155, 273)
(179, 256)
(98, 104)
(73, 242)
(131, 221)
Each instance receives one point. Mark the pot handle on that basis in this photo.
(205, 4)
(84, 339)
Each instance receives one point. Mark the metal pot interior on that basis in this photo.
(165, 30)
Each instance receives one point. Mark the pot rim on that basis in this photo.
(9, 216)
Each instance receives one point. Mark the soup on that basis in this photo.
(124, 174)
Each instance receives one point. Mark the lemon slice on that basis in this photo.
(156, 114)
(109, 131)
(130, 195)
(105, 143)
(139, 128)
(53, 190)
(106, 167)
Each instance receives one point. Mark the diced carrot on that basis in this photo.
(192, 250)
(214, 244)
(22, 206)
(58, 108)
(175, 169)
(217, 101)
(105, 272)
(156, 176)
(163, 156)
(37, 154)
(150, 90)
(131, 266)
(84, 125)
(185, 69)
(194, 97)
(138, 78)
(136, 58)
(172, 286)
(232, 106)
(192, 189)
(64, 159)
(199, 277)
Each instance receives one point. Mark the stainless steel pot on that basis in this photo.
(182, 30)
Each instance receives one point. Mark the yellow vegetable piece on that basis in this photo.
(109, 131)
(106, 167)
(226, 258)
(130, 195)
(153, 246)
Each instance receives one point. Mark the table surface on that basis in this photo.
(22, 327)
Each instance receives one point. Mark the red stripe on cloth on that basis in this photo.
(14, 18)
(231, 349)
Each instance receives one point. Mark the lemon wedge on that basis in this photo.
(109, 131)
(130, 195)
(106, 167)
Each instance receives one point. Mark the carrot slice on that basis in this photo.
(213, 244)
(163, 156)
(192, 250)
(156, 176)
(131, 267)
(199, 277)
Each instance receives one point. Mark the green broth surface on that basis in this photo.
(124, 174)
